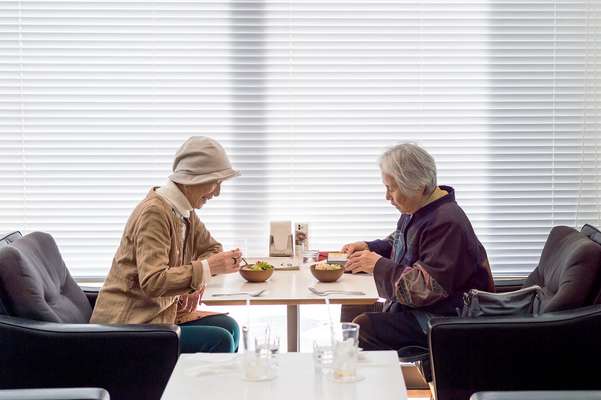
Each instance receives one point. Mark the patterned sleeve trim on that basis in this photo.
(417, 288)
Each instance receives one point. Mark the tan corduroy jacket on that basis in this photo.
(148, 271)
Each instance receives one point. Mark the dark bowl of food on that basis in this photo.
(325, 272)
(259, 272)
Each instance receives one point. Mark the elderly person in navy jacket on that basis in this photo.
(429, 261)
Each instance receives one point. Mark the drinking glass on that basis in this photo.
(259, 365)
(345, 353)
(347, 331)
(323, 356)
(272, 343)
(310, 256)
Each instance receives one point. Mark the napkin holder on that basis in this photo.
(280, 239)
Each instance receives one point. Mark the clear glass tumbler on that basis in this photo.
(259, 365)
(323, 356)
(345, 352)
(310, 256)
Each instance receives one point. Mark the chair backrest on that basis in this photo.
(5, 240)
(35, 283)
(595, 235)
(8, 238)
(592, 233)
(569, 270)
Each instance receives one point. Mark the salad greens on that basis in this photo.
(260, 266)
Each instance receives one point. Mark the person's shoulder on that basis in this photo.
(153, 207)
(450, 208)
(153, 204)
(450, 214)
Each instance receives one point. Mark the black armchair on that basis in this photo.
(555, 351)
(524, 353)
(46, 341)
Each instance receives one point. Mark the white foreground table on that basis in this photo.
(219, 376)
(290, 288)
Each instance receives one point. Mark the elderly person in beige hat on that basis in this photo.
(167, 256)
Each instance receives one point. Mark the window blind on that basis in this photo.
(96, 96)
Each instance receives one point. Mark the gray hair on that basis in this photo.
(412, 168)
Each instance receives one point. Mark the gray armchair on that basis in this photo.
(47, 342)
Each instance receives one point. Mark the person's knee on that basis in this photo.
(366, 329)
(223, 342)
(363, 321)
(206, 339)
(231, 326)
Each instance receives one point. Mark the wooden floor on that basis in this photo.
(418, 394)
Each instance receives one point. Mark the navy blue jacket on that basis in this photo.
(431, 259)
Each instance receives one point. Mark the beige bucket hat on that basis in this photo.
(201, 160)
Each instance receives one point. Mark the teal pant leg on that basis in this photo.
(205, 339)
(214, 334)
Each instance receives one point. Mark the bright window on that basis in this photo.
(96, 96)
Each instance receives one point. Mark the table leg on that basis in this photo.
(292, 327)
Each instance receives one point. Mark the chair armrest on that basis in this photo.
(565, 316)
(55, 394)
(549, 352)
(420, 357)
(412, 354)
(130, 361)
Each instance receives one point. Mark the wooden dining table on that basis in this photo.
(290, 288)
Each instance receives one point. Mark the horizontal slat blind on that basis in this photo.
(95, 97)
